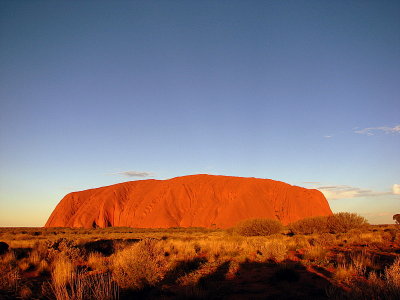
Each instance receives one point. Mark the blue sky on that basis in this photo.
(95, 93)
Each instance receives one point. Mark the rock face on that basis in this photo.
(188, 201)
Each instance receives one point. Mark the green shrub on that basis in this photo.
(256, 227)
(310, 225)
(345, 221)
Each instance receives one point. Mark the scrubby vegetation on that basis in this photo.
(310, 225)
(257, 227)
(139, 266)
(338, 223)
(344, 221)
(350, 260)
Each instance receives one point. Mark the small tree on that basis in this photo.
(396, 218)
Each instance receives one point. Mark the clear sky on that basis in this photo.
(94, 93)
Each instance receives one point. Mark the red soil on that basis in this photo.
(188, 201)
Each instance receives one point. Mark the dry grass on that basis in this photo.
(362, 261)
(83, 286)
(344, 273)
(186, 259)
(139, 266)
(8, 258)
(34, 258)
(9, 278)
(23, 265)
(316, 254)
(62, 272)
(274, 249)
(96, 261)
(297, 242)
(392, 278)
(43, 267)
(68, 284)
(384, 286)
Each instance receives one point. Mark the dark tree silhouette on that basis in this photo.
(396, 217)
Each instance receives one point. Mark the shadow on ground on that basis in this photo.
(107, 247)
(252, 280)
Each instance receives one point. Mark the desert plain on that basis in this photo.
(334, 257)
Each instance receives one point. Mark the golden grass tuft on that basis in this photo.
(361, 261)
(139, 266)
(8, 258)
(24, 264)
(62, 272)
(344, 273)
(392, 277)
(316, 254)
(43, 266)
(67, 284)
(97, 261)
(34, 258)
(385, 286)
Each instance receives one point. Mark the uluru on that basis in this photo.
(188, 201)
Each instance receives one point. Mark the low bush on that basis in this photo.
(258, 227)
(326, 240)
(66, 247)
(338, 223)
(297, 242)
(9, 278)
(274, 249)
(310, 225)
(345, 221)
(3, 248)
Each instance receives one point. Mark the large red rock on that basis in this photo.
(188, 201)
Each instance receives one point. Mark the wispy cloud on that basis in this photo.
(336, 192)
(396, 189)
(327, 136)
(373, 130)
(133, 174)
